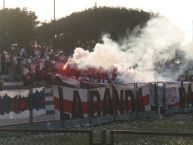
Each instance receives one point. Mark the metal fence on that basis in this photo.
(92, 137)
(45, 137)
(127, 137)
(84, 122)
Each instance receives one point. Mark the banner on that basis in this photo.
(71, 101)
(172, 99)
(179, 95)
(170, 95)
(38, 101)
(186, 94)
(15, 104)
(101, 101)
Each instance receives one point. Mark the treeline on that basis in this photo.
(17, 26)
(81, 29)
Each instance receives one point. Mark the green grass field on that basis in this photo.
(180, 122)
(176, 123)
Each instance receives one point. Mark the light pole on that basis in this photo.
(3, 26)
(54, 24)
(3, 4)
(96, 20)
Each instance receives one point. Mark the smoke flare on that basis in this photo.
(147, 54)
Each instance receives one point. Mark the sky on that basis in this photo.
(180, 12)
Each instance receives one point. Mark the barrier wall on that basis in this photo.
(71, 103)
(21, 105)
(118, 101)
(171, 95)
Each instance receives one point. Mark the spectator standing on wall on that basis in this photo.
(25, 75)
(3, 63)
(7, 62)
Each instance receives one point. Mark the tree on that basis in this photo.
(84, 29)
(17, 26)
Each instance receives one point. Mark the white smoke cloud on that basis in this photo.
(138, 57)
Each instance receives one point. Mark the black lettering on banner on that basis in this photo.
(118, 104)
(190, 95)
(115, 100)
(60, 92)
(1, 106)
(94, 106)
(107, 103)
(182, 93)
(77, 111)
(121, 103)
(129, 94)
(140, 102)
(6, 103)
(20, 103)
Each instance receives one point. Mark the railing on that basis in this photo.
(83, 122)
(45, 137)
(91, 137)
(129, 137)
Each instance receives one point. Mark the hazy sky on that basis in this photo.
(179, 11)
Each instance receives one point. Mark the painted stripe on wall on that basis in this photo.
(49, 98)
(49, 107)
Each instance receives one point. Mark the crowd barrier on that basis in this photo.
(91, 137)
(61, 106)
(25, 105)
(159, 97)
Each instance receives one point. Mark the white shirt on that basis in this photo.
(25, 71)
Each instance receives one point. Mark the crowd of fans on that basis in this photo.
(32, 67)
(43, 63)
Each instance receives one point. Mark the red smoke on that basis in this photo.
(89, 73)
